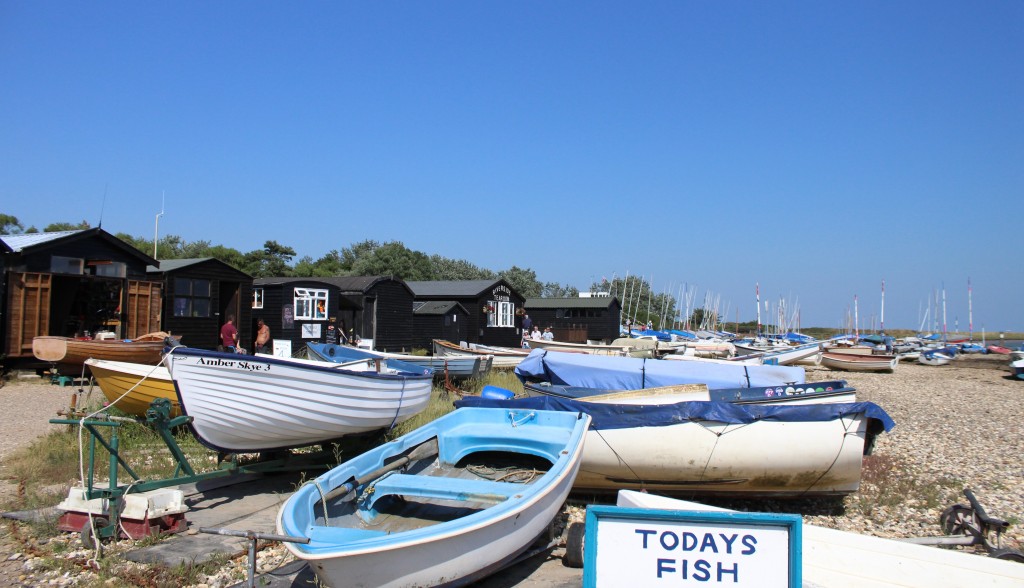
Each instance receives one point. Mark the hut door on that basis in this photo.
(28, 310)
(144, 303)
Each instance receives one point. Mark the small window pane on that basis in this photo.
(182, 307)
(201, 287)
(182, 286)
(201, 307)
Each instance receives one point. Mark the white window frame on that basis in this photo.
(257, 297)
(306, 303)
(504, 314)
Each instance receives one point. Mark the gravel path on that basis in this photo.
(957, 426)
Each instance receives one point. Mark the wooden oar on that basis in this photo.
(421, 451)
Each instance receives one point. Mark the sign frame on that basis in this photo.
(792, 523)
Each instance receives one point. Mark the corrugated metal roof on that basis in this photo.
(437, 307)
(603, 302)
(169, 265)
(16, 243)
(454, 288)
(342, 283)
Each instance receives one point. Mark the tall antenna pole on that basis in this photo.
(156, 228)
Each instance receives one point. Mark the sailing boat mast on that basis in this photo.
(757, 293)
(970, 313)
(856, 320)
(881, 324)
(943, 312)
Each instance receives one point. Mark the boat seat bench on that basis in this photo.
(442, 488)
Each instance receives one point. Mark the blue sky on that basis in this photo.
(815, 148)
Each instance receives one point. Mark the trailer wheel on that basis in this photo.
(1008, 554)
(90, 539)
(959, 520)
(574, 537)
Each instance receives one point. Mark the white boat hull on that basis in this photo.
(762, 458)
(242, 403)
(859, 363)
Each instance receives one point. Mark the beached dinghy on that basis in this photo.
(506, 359)
(859, 363)
(467, 366)
(934, 357)
(245, 403)
(70, 352)
(634, 373)
(718, 447)
(132, 387)
(832, 391)
(446, 504)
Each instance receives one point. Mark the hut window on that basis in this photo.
(257, 297)
(192, 298)
(310, 304)
(503, 315)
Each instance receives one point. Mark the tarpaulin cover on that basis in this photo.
(624, 416)
(635, 373)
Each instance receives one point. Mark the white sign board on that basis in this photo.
(646, 547)
(282, 348)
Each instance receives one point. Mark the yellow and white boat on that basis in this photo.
(131, 387)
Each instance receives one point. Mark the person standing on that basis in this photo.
(229, 335)
(527, 323)
(548, 335)
(262, 337)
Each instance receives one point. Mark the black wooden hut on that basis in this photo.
(577, 320)
(495, 308)
(199, 295)
(70, 283)
(376, 309)
(446, 320)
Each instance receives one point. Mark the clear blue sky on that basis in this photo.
(816, 148)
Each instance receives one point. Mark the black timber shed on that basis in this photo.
(199, 295)
(376, 309)
(70, 283)
(446, 320)
(577, 320)
(495, 308)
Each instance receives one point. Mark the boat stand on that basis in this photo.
(142, 507)
(971, 525)
(253, 538)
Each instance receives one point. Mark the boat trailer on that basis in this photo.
(971, 525)
(148, 507)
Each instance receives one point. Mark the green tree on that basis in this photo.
(446, 268)
(271, 261)
(10, 225)
(523, 280)
(394, 259)
(556, 290)
(54, 227)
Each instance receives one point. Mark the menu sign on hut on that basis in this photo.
(652, 548)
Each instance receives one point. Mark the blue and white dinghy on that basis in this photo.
(634, 373)
(830, 391)
(446, 504)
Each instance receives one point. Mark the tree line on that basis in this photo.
(366, 258)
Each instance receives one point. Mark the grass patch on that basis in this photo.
(885, 482)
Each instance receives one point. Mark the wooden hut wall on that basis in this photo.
(450, 326)
(95, 250)
(574, 323)
(501, 336)
(279, 312)
(393, 328)
(230, 293)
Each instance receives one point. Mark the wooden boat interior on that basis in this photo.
(428, 492)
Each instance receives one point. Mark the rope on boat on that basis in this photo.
(399, 409)
(511, 474)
